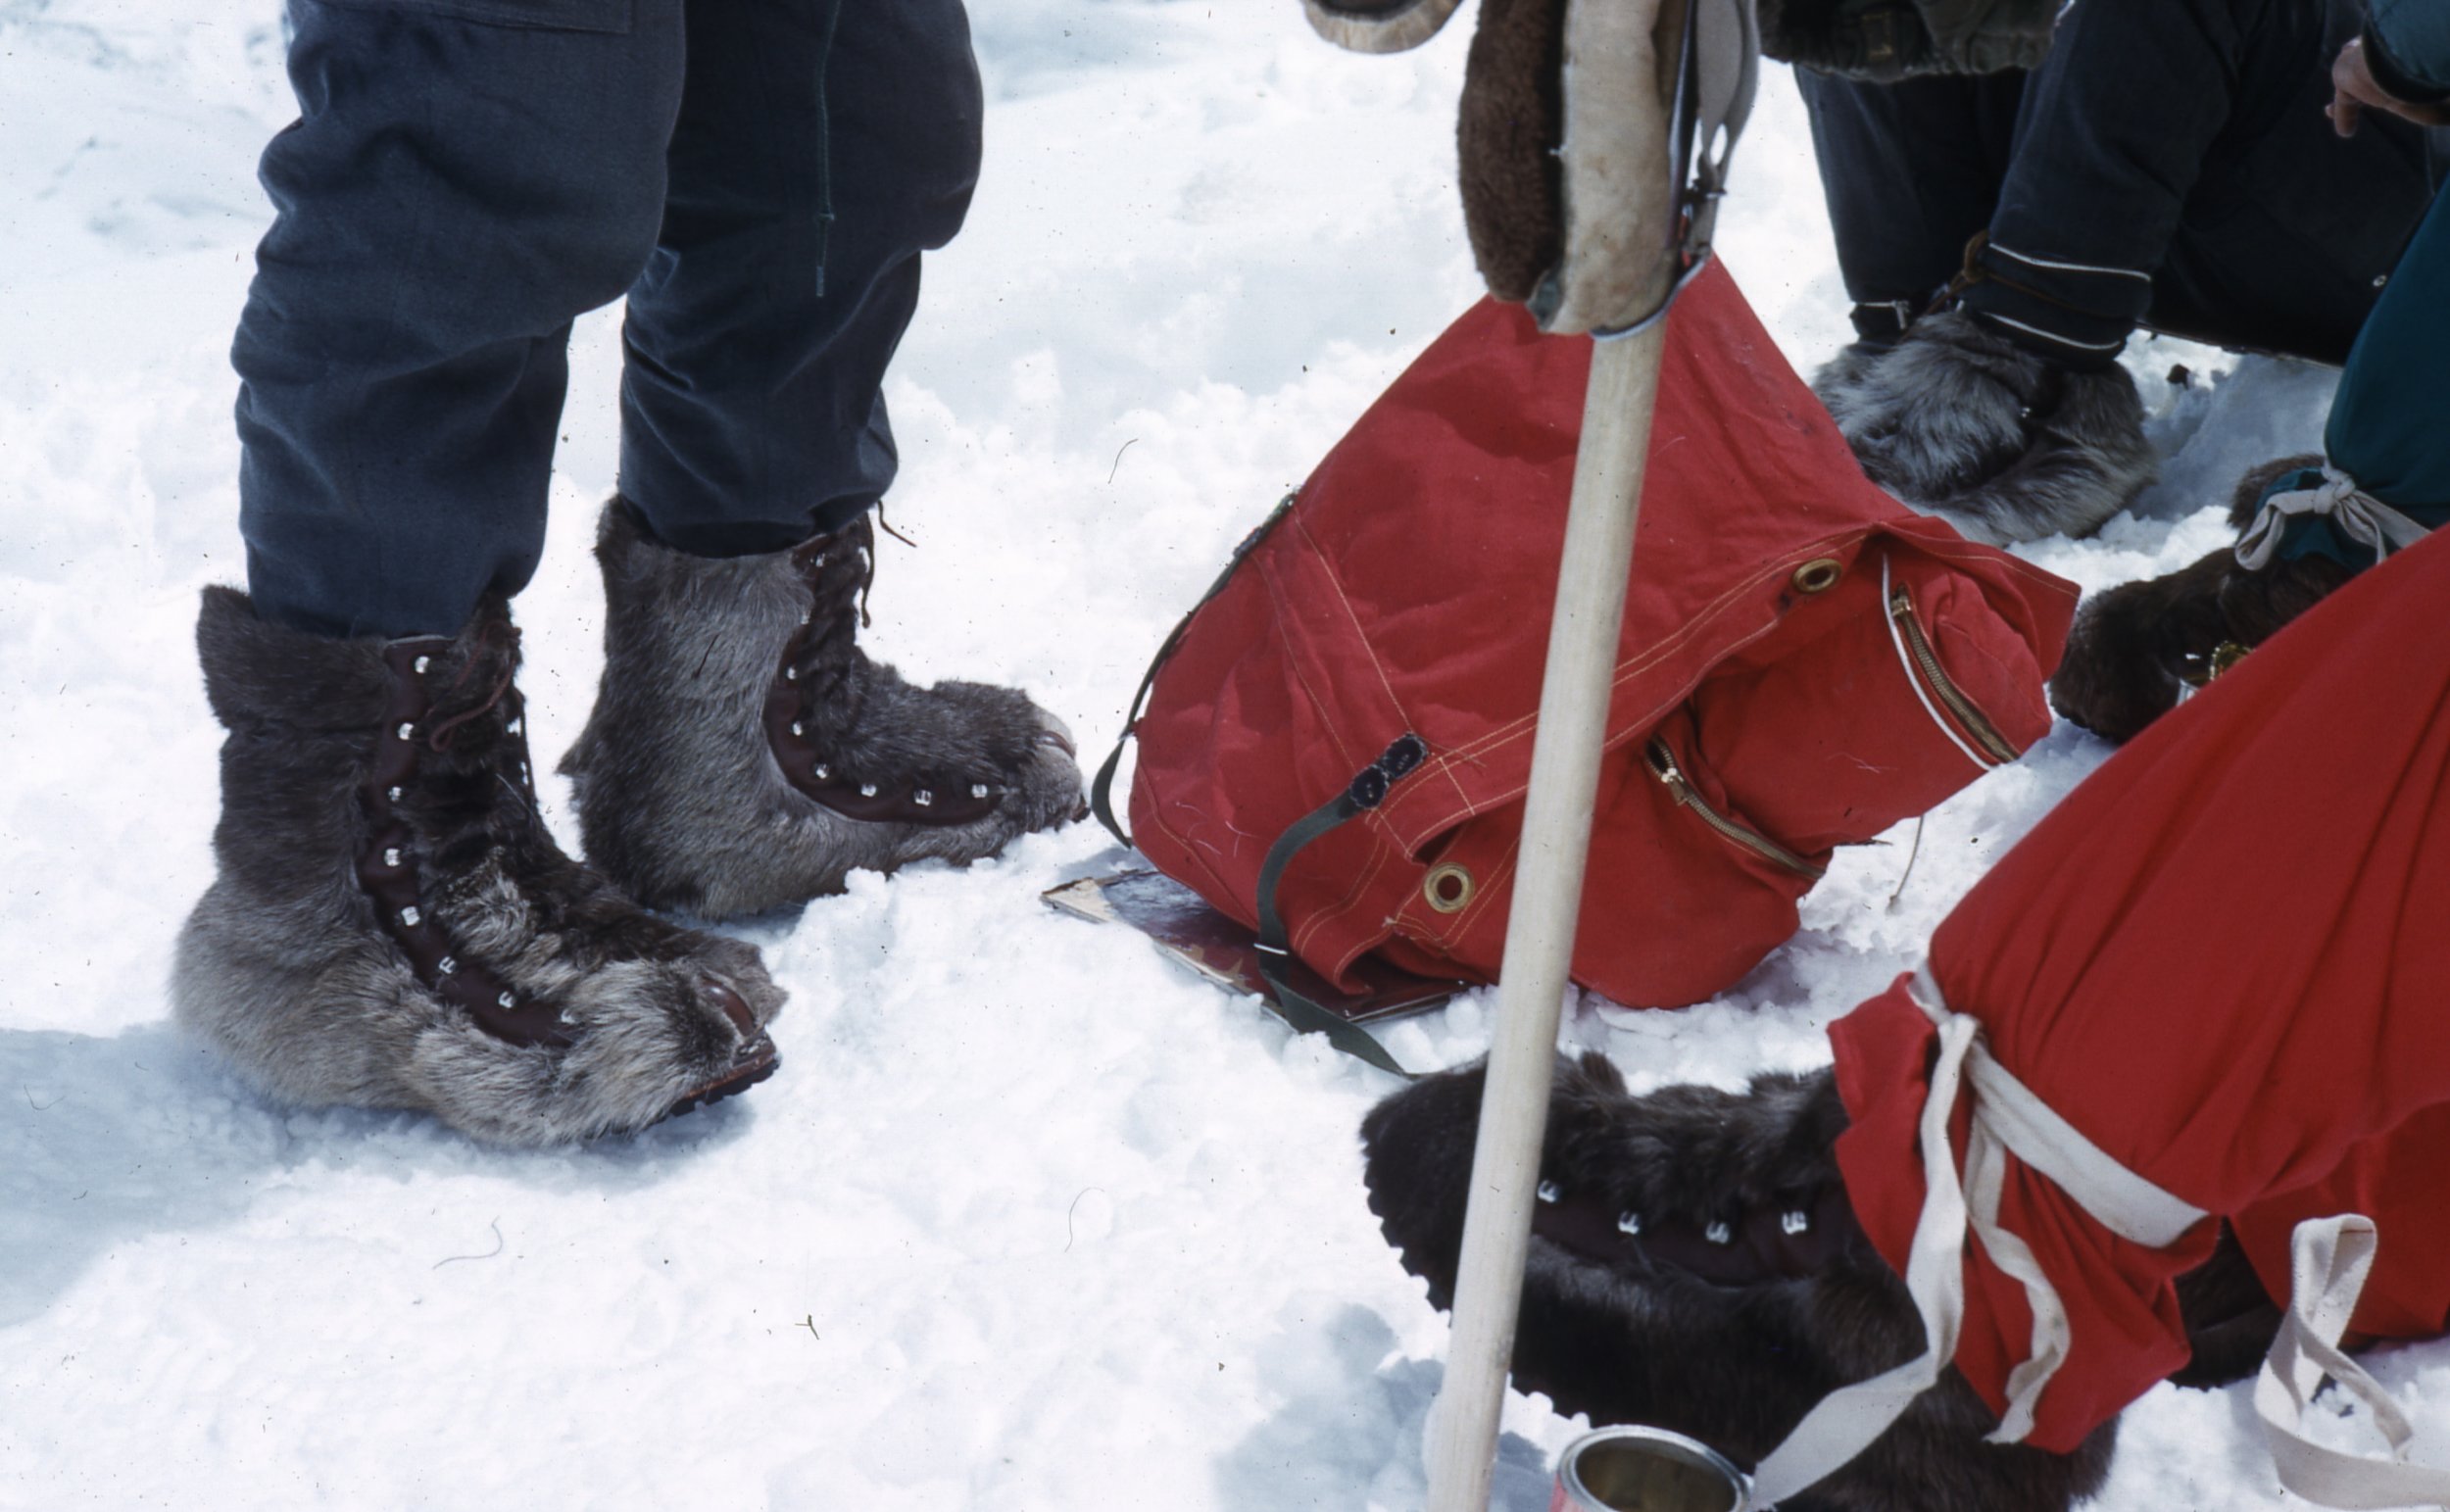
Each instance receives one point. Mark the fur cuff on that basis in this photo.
(1960, 422)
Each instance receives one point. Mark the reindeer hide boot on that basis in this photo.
(1694, 1265)
(2136, 648)
(1959, 421)
(392, 925)
(745, 753)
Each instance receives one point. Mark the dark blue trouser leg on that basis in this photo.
(458, 189)
(1911, 171)
(758, 339)
(454, 192)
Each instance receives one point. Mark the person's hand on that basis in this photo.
(2353, 90)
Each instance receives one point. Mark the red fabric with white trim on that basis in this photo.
(1410, 589)
(2223, 960)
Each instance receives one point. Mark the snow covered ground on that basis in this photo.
(1029, 1220)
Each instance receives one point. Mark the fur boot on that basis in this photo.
(392, 925)
(2136, 648)
(743, 753)
(1960, 422)
(1694, 1265)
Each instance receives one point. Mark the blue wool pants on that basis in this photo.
(466, 177)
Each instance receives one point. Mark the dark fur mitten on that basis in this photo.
(1746, 1296)
(1508, 128)
(2135, 648)
(1960, 422)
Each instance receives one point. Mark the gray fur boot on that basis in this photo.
(392, 925)
(745, 753)
(1960, 422)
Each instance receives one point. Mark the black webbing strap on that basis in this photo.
(1102, 788)
(1367, 790)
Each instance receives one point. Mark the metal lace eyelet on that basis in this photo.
(447, 965)
(867, 790)
(391, 857)
(923, 797)
(794, 727)
(1629, 1223)
(564, 1017)
(823, 772)
(1719, 1233)
(406, 729)
(392, 793)
(410, 918)
(422, 662)
(1549, 1191)
(507, 1000)
(1795, 1222)
(979, 790)
(791, 674)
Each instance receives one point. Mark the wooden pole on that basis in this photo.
(1614, 448)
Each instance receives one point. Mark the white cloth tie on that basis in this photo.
(2007, 1119)
(2330, 1258)
(2360, 515)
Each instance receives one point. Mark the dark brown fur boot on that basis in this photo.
(393, 926)
(745, 753)
(1694, 1265)
(2135, 648)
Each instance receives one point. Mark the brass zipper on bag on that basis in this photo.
(1974, 721)
(1662, 764)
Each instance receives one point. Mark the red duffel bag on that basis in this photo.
(1803, 662)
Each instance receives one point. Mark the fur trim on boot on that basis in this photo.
(1694, 1265)
(2135, 648)
(392, 925)
(743, 753)
(1960, 422)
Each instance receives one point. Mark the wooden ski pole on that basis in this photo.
(1592, 581)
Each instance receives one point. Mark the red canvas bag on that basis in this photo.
(1803, 662)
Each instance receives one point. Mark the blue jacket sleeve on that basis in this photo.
(2407, 45)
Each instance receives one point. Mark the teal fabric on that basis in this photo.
(2415, 34)
(2389, 423)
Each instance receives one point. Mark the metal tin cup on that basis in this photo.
(1646, 1470)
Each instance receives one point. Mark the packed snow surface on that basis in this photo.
(1030, 1219)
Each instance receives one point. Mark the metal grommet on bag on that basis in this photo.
(1448, 887)
(1819, 575)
